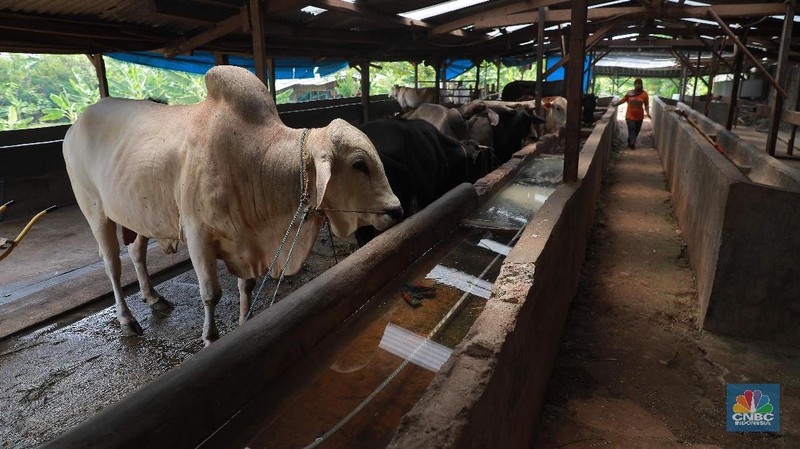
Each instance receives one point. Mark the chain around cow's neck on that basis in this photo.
(305, 208)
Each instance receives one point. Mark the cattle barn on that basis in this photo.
(540, 290)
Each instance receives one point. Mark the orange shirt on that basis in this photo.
(636, 104)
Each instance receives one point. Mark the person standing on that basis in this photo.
(638, 108)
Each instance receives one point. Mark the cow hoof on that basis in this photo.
(209, 339)
(161, 305)
(132, 329)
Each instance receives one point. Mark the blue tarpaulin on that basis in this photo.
(457, 67)
(296, 68)
(460, 66)
(200, 62)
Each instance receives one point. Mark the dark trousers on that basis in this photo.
(634, 126)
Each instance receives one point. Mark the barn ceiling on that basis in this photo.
(380, 30)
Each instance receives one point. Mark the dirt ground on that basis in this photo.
(633, 369)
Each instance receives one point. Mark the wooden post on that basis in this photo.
(574, 75)
(272, 78)
(790, 145)
(100, 68)
(738, 62)
(782, 72)
(365, 91)
(696, 77)
(540, 62)
(443, 69)
(684, 83)
(497, 62)
(220, 58)
(437, 80)
(259, 40)
(477, 92)
(717, 57)
(416, 74)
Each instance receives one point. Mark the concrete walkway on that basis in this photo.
(633, 369)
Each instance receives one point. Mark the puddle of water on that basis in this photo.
(354, 391)
(515, 204)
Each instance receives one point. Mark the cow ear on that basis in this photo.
(547, 104)
(323, 172)
(494, 119)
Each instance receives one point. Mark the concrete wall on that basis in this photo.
(741, 235)
(490, 392)
(757, 166)
(32, 171)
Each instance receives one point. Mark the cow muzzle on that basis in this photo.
(389, 218)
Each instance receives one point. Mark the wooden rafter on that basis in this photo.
(211, 33)
(501, 11)
(591, 42)
(713, 14)
(688, 64)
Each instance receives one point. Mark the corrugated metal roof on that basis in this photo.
(365, 29)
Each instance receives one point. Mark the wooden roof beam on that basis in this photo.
(502, 11)
(591, 42)
(211, 33)
(77, 28)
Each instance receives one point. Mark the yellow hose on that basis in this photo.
(25, 230)
(5, 206)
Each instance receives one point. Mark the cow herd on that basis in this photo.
(226, 176)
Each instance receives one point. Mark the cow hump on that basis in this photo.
(243, 91)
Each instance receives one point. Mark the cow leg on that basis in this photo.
(245, 296)
(205, 265)
(138, 253)
(105, 232)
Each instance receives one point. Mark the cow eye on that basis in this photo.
(361, 166)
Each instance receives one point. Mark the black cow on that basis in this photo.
(526, 90)
(421, 163)
(510, 131)
(471, 121)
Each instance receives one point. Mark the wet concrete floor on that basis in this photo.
(56, 375)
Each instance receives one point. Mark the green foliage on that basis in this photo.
(664, 87)
(347, 83)
(31, 85)
(43, 90)
(283, 97)
(384, 75)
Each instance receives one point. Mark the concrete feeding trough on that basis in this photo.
(737, 212)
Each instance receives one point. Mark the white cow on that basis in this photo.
(411, 98)
(223, 176)
(555, 113)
